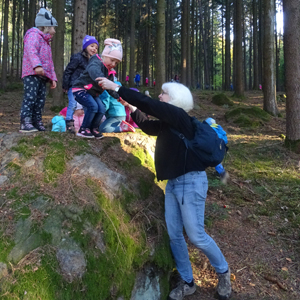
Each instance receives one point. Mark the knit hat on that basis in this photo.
(113, 49)
(63, 112)
(88, 40)
(44, 18)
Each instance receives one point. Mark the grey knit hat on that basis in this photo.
(44, 18)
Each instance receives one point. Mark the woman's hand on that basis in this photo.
(106, 84)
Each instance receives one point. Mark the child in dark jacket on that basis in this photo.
(87, 90)
(76, 66)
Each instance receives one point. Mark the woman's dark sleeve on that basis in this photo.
(150, 127)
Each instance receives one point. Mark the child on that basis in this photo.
(78, 117)
(59, 123)
(115, 115)
(127, 80)
(87, 91)
(38, 69)
(147, 81)
(76, 66)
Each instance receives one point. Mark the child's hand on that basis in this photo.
(39, 71)
(53, 84)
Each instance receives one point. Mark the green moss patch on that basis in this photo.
(222, 99)
(252, 117)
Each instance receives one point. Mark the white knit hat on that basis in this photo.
(44, 18)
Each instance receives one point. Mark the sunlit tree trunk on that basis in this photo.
(80, 24)
(239, 82)
(132, 44)
(227, 47)
(269, 83)
(291, 10)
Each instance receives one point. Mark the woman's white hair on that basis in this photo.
(179, 94)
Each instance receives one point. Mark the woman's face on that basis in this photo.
(92, 49)
(164, 97)
(110, 62)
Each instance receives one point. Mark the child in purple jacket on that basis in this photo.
(38, 69)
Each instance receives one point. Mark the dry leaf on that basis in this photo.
(252, 284)
(284, 269)
(288, 259)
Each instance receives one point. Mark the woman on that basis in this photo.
(187, 185)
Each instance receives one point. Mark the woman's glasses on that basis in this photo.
(164, 93)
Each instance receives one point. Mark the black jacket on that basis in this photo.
(170, 151)
(94, 69)
(75, 67)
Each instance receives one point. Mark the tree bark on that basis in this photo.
(291, 10)
(160, 45)
(80, 24)
(58, 55)
(184, 41)
(132, 44)
(269, 84)
(5, 46)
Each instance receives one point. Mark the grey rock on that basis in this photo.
(9, 140)
(22, 230)
(3, 179)
(3, 270)
(91, 165)
(23, 248)
(146, 285)
(10, 156)
(41, 203)
(29, 163)
(53, 225)
(96, 235)
(71, 260)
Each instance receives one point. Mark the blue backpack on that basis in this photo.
(206, 144)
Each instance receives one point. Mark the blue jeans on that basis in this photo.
(95, 109)
(112, 124)
(71, 106)
(184, 207)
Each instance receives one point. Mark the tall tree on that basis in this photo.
(239, 82)
(255, 47)
(184, 40)
(58, 55)
(80, 24)
(5, 46)
(269, 83)
(291, 10)
(160, 46)
(132, 44)
(227, 46)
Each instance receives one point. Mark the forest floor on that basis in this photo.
(254, 218)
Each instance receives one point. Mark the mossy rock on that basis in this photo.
(252, 117)
(221, 99)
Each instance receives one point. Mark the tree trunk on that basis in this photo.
(255, 47)
(269, 84)
(80, 24)
(5, 46)
(58, 55)
(291, 10)
(227, 47)
(160, 63)
(32, 13)
(239, 82)
(132, 44)
(184, 41)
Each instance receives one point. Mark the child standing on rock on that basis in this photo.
(76, 66)
(87, 90)
(38, 69)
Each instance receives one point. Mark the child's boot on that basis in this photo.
(70, 126)
(26, 125)
(38, 124)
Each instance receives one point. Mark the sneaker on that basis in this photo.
(97, 134)
(39, 125)
(182, 290)
(70, 126)
(26, 126)
(125, 127)
(85, 132)
(224, 286)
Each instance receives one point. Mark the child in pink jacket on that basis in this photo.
(38, 69)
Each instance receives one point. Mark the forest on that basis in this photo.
(224, 45)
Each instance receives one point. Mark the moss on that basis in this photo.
(248, 116)
(222, 99)
(292, 145)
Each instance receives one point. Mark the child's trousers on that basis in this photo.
(34, 97)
